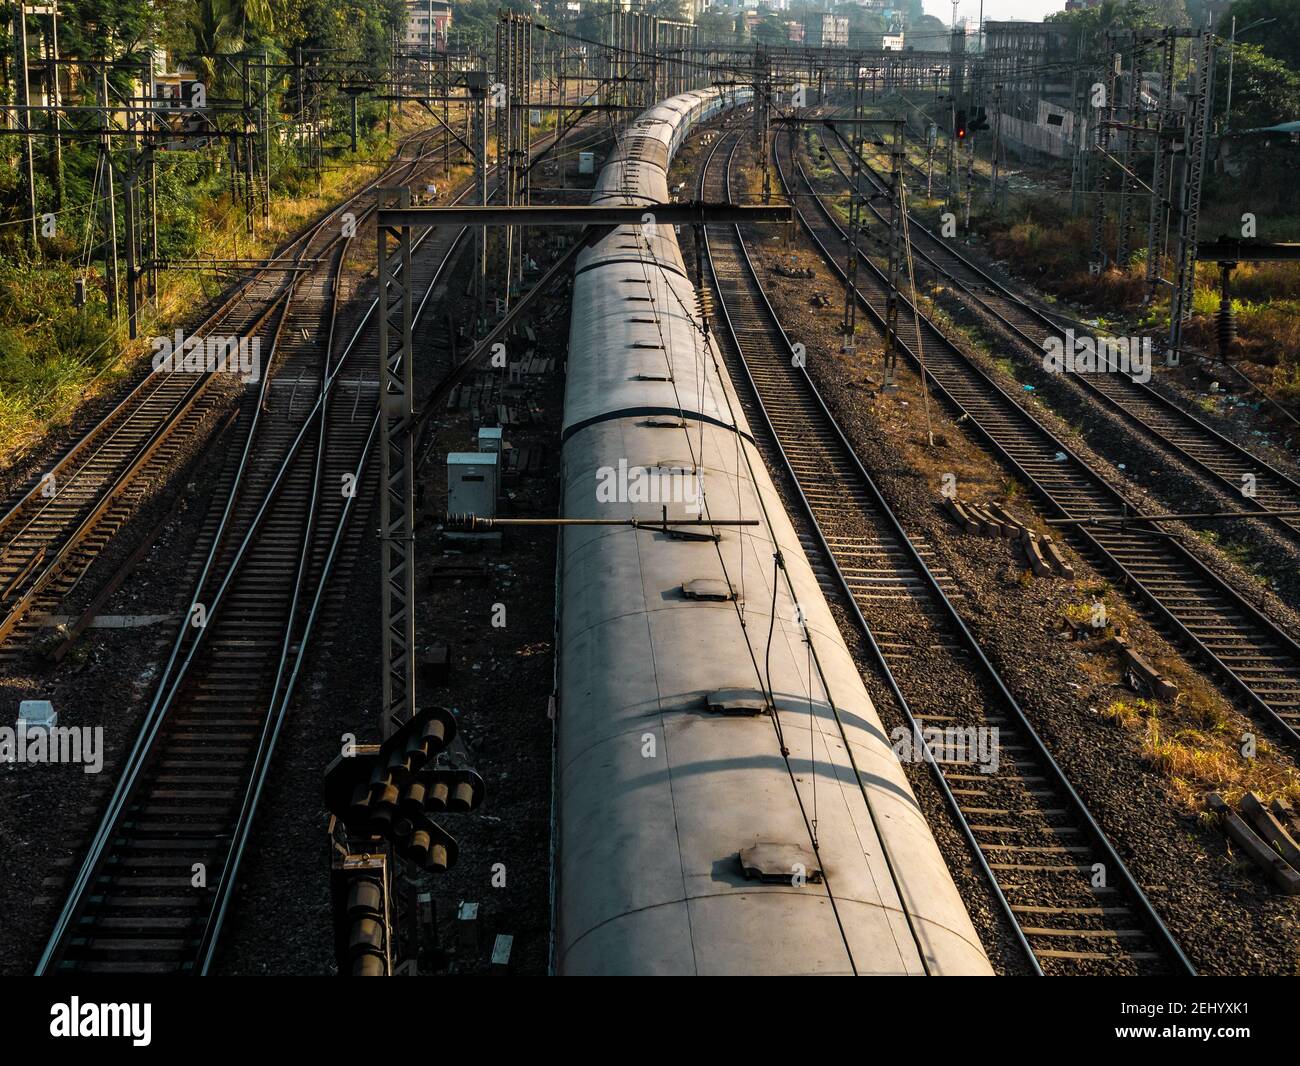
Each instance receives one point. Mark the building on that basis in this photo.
(1027, 77)
(425, 17)
(892, 42)
(1030, 60)
(794, 32)
(825, 31)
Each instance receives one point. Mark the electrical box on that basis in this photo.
(489, 439)
(586, 162)
(37, 714)
(472, 483)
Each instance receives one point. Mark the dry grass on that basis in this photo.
(1194, 744)
(24, 420)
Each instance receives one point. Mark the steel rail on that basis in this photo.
(281, 694)
(1157, 930)
(54, 563)
(171, 676)
(1142, 392)
(1157, 545)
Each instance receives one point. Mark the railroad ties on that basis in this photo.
(1075, 905)
(151, 894)
(1251, 653)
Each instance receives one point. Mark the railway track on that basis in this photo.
(156, 883)
(56, 528)
(1032, 835)
(1219, 460)
(158, 878)
(1251, 653)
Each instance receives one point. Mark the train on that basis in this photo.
(727, 800)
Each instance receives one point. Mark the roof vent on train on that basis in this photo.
(738, 701)
(777, 864)
(713, 589)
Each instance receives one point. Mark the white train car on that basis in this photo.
(726, 797)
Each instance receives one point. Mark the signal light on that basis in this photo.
(390, 789)
(960, 126)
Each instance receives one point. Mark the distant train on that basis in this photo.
(726, 798)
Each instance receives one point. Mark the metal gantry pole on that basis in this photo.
(1128, 189)
(397, 441)
(1199, 109)
(24, 118)
(895, 258)
(110, 204)
(849, 327)
(1097, 258)
(52, 98)
(1158, 213)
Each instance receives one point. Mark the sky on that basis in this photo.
(1025, 10)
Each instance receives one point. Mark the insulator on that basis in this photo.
(1227, 328)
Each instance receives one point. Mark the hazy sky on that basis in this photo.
(1028, 10)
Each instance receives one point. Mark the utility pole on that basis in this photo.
(397, 492)
(762, 116)
(997, 143)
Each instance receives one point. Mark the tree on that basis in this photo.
(717, 27)
(1280, 39)
(771, 29)
(1265, 91)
